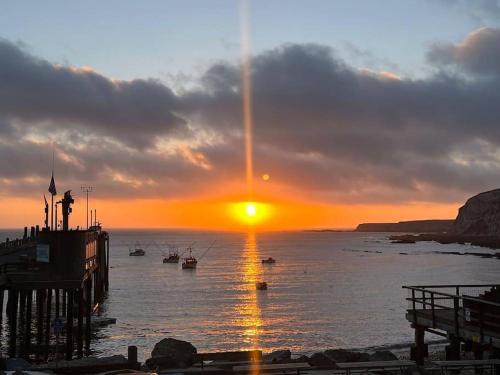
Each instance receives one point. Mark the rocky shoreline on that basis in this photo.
(491, 242)
(171, 353)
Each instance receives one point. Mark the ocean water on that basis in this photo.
(326, 290)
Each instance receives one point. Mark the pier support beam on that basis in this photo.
(13, 301)
(27, 326)
(79, 336)
(69, 325)
(39, 319)
(419, 350)
(1, 305)
(63, 313)
(57, 297)
(453, 349)
(88, 314)
(47, 322)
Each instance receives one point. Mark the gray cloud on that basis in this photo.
(478, 53)
(321, 127)
(42, 94)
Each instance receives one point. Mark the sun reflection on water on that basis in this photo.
(249, 308)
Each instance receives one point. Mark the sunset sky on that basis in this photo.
(361, 110)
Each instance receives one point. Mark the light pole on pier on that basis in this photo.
(87, 190)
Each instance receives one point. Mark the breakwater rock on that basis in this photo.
(492, 242)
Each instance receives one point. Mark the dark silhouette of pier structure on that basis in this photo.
(54, 281)
(467, 315)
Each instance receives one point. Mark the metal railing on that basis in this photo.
(467, 305)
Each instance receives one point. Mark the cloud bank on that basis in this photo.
(323, 130)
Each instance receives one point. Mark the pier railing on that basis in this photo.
(471, 306)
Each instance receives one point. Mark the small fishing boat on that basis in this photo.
(269, 260)
(190, 262)
(172, 258)
(261, 285)
(137, 253)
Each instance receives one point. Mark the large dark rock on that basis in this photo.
(170, 352)
(383, 355)
(342, 355)
(320, 360)
(480, 215)
(278, 356)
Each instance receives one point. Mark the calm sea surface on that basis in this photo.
(326, 290)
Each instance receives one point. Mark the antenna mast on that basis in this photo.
(87, 190)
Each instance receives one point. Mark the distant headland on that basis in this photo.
(415, 226)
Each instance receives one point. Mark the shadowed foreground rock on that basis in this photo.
(383, 355)
(278, 356)
(322, 361)
(170, 353)
(342, 355)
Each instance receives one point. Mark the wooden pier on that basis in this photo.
(53, 281)
(465, 314)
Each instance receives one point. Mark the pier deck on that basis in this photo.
(467, 314)
(53, 281)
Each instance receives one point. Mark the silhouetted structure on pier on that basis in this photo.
(54, 281)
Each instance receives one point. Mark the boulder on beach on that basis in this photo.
(171, 352)
(320, 360)
(342, 355)
(383, 355)
(277, 356)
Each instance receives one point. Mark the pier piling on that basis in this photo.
(69, 325)
(47, 322)
(88, 313)
(27, 327)
(13, 300)
(79, 336)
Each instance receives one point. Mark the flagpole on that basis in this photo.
(52, 212)
(52, 192)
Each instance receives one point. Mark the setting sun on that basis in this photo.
(250, 209)
(251, 213)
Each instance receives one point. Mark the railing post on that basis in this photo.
(413, 304)
(481, 323)
(433, 312)
(455, 310)
(423, 300)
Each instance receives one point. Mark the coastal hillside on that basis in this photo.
(480, 215)
(416, 226)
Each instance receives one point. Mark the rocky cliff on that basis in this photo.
(416, 226)
(480, 215)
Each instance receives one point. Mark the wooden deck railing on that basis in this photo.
(466, 305)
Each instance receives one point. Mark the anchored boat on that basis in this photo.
(261, 285)
(137, 253)
(269, 260)
(190, 262)
(172, 258)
